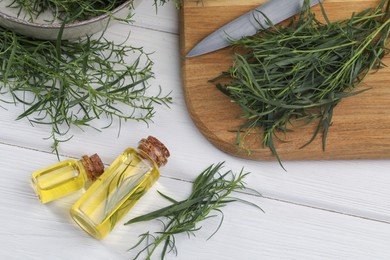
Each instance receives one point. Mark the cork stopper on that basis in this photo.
(93, 166)
(155, 150)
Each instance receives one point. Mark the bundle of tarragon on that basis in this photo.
(301, 71)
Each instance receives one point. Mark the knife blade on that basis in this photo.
(248, 24)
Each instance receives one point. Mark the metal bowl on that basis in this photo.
(44, 28)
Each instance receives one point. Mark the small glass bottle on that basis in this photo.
(113, 194)
(66, 177)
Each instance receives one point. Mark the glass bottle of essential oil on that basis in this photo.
(117, 190)
(66, 177)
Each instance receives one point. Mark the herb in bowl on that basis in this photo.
(65, 10)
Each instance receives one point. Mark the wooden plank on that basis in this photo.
(361, 125)
(285, 230)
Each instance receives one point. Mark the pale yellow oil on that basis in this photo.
(59, 180)
(112, 195)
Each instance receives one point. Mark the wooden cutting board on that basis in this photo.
(361, 124)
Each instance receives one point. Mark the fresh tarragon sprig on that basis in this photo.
(211, 191)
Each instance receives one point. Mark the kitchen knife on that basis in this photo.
(248, 24)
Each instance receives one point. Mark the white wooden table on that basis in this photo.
(315, 210)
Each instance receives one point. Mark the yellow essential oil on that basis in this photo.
(66, 177)
(117, 190)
